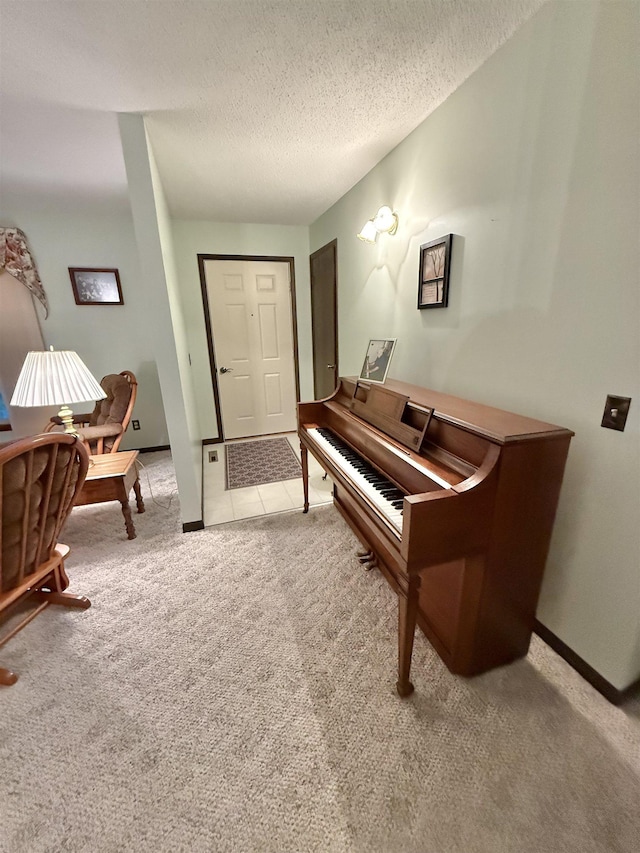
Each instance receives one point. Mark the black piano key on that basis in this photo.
(380, 483)
(377, 480)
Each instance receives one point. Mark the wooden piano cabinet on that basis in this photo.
(526, 501)
(481, 497)
(478, 612)
(440, 604)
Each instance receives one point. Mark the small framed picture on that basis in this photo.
(377, 359)
(433, 278)
(96, 286)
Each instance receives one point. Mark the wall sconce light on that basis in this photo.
(385, 221)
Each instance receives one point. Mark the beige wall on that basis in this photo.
(19, 333)
(108, 338)
(533, 164)
(163, 314)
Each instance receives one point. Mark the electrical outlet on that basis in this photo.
(135, 424)
(213, 456)
(615, 414)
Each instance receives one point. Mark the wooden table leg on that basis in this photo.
(138, 494)
(128, 521)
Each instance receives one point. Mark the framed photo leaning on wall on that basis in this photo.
(96, 286)
(433, 277)
(377, 359)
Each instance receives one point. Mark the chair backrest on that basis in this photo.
(40, 477)
(121, 390)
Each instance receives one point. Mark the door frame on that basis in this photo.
(332, 246)
(209, 328)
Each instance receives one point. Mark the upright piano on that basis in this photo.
(455, 503)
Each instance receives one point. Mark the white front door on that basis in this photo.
(250, 309)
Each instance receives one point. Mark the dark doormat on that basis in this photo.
(252, 463)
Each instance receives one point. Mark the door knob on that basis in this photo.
(226, 369)
(331, 367)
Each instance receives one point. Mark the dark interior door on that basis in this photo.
(324, 318)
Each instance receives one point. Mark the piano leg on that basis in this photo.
(407, 612)
(304, 459)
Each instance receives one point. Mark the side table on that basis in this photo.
(111, 477)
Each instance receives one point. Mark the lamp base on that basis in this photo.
(66, 416)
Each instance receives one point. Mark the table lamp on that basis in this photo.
(56, 378)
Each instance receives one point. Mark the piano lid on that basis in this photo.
(494, 424)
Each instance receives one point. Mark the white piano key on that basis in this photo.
(385, 507)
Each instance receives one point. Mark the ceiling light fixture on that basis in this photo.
(385, 221)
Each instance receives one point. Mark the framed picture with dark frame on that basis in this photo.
(377, 359)
(433, 277)
(96, 286)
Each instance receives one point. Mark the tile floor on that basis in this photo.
(221, 505)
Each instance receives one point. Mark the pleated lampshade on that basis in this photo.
(54, 378)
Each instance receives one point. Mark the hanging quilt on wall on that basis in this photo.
(16, 259)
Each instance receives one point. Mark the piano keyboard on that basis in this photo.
(382, 493)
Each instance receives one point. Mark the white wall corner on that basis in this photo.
(155, 248)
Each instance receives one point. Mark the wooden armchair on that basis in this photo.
(40, 478)
(102, 430)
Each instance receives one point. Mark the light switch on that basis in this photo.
(615, 414)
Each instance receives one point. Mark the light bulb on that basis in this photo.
(369, 232)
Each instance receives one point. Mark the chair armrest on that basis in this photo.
(77, 419)
(91, 433)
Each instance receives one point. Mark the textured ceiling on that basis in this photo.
(257, 111)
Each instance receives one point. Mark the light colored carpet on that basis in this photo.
(253, 463)
(233, 690)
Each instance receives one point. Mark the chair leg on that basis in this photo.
(61, 579)
(53, 592)
(57, 581)
(66, 599)
(7, 678)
